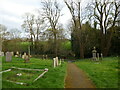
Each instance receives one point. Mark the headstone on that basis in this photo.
(17, 53)
(25, 54)
(22, 56)
(8, 56)
(94, 54)
(57, 61)
(97, 56)
(46, 57)
(43, 57)
(54, 62)
(101, 56)
(27, 59)
(60, 62)
(1, 53)
(12, 53)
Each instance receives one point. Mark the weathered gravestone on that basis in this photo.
(94, 54)
(27, 59)
(8, 56)
(17, 54)
(57, 61)
(101, 56)
(43, 57)
(54, 62)
(24, 55)
(97, 56)
(12, 53)
(1, 53)
(46, 57)
(60, 62)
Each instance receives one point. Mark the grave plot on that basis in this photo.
(23, 76)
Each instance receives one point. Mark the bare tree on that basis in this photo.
(106, 14)
(3, 34)
(75, 10)
(52, 12)
(28, 25)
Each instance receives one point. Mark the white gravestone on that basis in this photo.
(54, 62)
(57, 63)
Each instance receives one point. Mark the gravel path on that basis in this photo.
(76, 78)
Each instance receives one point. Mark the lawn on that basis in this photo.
(54, 78)
(104, 74)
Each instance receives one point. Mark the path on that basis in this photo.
(76, 78)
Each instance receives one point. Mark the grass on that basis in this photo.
(104, 73)
(54, 78)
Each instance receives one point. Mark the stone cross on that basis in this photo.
(94, 54)
(8, 56)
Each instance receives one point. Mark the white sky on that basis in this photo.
(11, 12)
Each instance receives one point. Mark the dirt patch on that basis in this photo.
(76, 78)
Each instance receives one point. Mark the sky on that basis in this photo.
(11, 12)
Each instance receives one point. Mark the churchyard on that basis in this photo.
(48, 73)
(59, 44)
(23, 75)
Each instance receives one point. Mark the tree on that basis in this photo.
(28, 26)
(15, 33)
(75, 10)
(51, 11)
(106, 14)
(3, 34)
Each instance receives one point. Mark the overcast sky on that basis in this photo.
(11, 11)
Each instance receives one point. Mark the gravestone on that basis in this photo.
(17, 53)
(94, 54)
(46, 57)
(22, 56)
(60, 62)
(1, 53)
(57, 61)
(54, 62)
(8, 56)
(101, 56)
(43, 57)
(12, 53)
(97, 56)
(27, 59)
